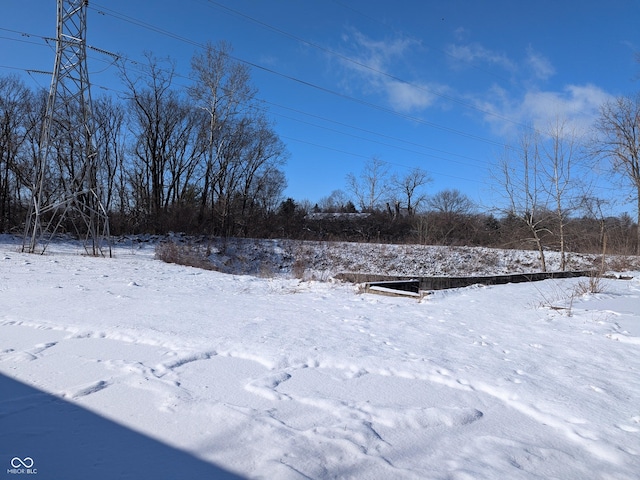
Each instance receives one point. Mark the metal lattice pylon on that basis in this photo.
(66, 194)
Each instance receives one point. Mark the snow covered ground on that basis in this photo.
(133, 368)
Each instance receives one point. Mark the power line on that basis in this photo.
(334, 149)
(230, 11)
(378, 134)
(384, 161)
(106, 11)
(373, 141)
(136, 64)
(369, 104)
(146, 25)
(444, 52)
(357, 63)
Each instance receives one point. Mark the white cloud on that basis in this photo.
(541, 66)
(376, 54)
(474, 53)
(369, 66)
(534, 64)
(406, 97)
(577, 105)
(507, 112)
(461, 34)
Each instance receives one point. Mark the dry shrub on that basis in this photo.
(562, 299)
(593, 284)
(168, 252)
(299, 268)
(189, 255)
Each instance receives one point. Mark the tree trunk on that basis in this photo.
(543, 263)
(563, 255)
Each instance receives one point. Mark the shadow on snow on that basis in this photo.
(57, 439)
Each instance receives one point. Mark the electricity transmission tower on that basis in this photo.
(65, 194)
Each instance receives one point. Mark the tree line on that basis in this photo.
(201, 158)
(450, 218)
(206, 159)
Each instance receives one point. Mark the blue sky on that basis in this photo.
(440, 85)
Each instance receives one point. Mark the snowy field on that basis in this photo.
(130, 368)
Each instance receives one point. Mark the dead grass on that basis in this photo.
(189, 255)
(562, 300)
(621, 263)
(299, 267)
(591, 285)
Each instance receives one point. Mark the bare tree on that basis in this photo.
(34, 112)
(14, 103)
(183, 158)
(560, 156)
(336, 202)
(451, 201)
(372, 186)
(449, 218)
(263, 155)
(268, 189)
(223, 91)
(526, 199)
(409, 188)
(593, 209)
(162, 123)
(110, 116)
(618, 129)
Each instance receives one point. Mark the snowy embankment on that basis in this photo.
(313, 260)
(133, 368)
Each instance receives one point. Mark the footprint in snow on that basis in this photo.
(88, 390)
(628, 428)
(166, 367)
(274, 381)
(21, 356)
(41, 347)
